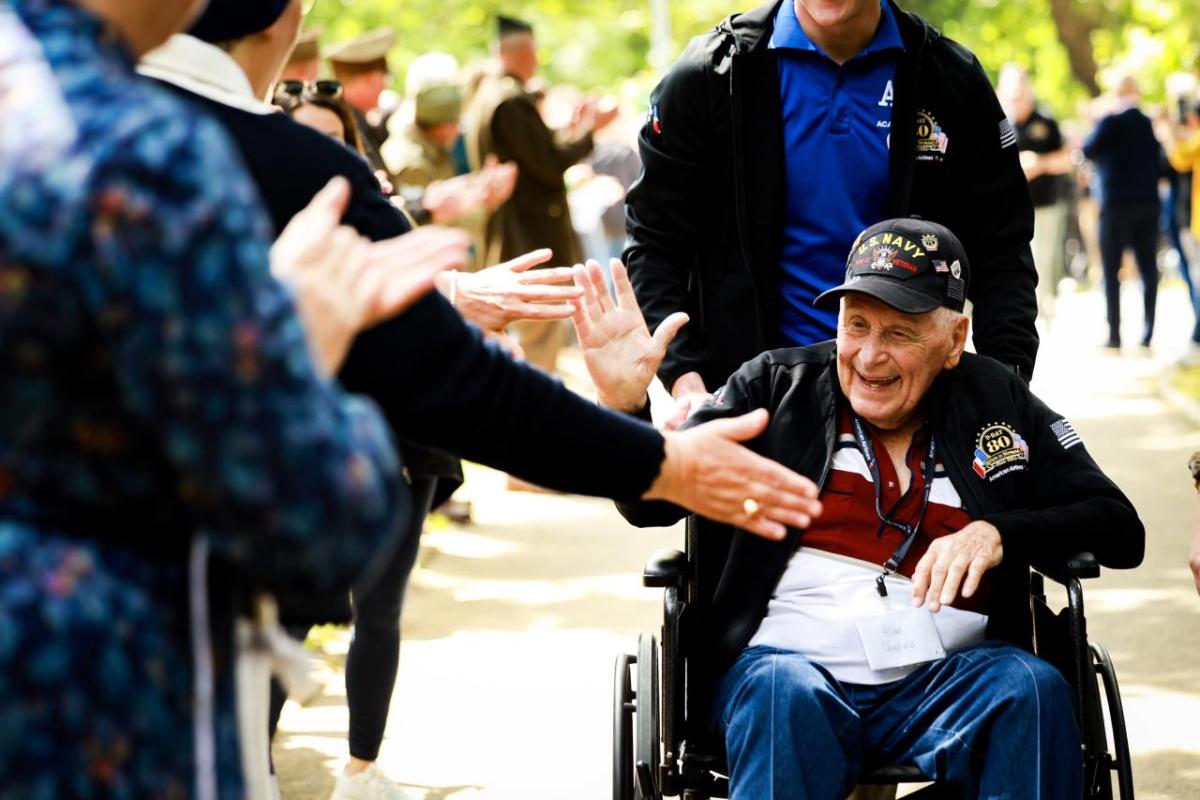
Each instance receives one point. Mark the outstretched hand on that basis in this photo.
(513, 291)
(621, 355)
(709, 473)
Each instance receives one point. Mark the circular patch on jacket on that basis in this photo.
(932, 141)
(999, 451)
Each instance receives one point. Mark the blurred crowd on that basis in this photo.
(1113, 192)
(456, 149)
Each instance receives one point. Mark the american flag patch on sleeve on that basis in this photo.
(1065, 433)
(1008, 134)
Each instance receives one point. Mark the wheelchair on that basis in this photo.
(661, 748)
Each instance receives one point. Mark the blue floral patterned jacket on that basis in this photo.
(155, 391)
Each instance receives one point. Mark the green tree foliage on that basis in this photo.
(605, 44)
(1152, 38)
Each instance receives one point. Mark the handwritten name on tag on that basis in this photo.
(899, 637)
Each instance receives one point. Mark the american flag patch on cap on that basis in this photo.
(1065, 433)
(1008, 134)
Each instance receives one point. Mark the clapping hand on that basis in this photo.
(621, 355)
(400, 271)
(450, 200)
(499, 180)
(343, 283)
(453, 199)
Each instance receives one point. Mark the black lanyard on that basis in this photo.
(909, 531)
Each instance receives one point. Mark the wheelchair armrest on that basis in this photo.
(1081, 566)
(666, 568)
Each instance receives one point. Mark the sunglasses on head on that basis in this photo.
(330, 89)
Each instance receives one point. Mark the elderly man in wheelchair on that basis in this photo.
(893, 625)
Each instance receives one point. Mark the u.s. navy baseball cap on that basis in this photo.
(911, 264)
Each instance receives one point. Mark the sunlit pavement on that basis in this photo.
(511, 625)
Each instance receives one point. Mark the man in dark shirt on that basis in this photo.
(503, 121)
(1045, 161)
(1128, 161)
(782, 133)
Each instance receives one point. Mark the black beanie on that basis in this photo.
(225, 20)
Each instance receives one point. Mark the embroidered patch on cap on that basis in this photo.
(1065, 433)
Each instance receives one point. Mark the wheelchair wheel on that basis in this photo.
(647, 745)
(623, 728)
(1120, 762)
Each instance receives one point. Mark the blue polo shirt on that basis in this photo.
(836, 125)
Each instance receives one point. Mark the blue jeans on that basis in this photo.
(991, 720)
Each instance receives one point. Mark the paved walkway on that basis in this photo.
(511, 625)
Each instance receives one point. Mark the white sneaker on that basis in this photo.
(370, 784)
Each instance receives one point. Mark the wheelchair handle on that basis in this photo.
(666, 568)
(1080, 566)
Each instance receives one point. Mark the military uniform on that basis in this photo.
(367, 53)
(504, 121)
(416, 161)
(411, 156)
(304, 62)
(368, 135)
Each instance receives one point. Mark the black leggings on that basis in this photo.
(374, 656)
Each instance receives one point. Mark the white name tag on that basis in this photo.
(899, 637)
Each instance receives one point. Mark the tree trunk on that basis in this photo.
(1075, 28)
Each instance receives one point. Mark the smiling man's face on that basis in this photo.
(887, 359)
(836, 13)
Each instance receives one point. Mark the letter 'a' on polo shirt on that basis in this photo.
(836, 126)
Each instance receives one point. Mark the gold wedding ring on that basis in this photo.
(752, 507)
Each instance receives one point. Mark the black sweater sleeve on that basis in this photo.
(664, 206)
(439, 384)
(995, 225)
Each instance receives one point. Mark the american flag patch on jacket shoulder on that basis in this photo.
(1065, 433)
(1008, 134)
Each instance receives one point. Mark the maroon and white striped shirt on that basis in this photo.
(831, 578)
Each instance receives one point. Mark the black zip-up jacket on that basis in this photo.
(706, 218)
(1055, 503)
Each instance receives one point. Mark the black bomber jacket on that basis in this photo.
(706, 217)
(1049, 500)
